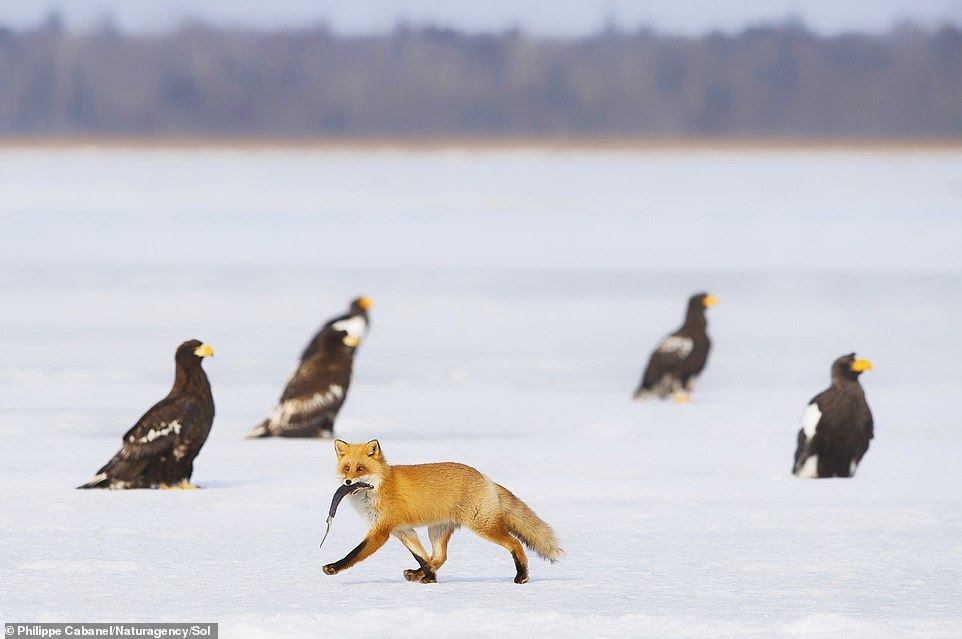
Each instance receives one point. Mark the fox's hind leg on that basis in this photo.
(499, 534)
(439, 535)
(426, 571)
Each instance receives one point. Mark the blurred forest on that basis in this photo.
(781, 81)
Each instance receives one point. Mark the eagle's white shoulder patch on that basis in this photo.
(353, 326)
(161, 431)
(810, 418)
(678, 345)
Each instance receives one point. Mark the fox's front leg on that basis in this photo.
(374, 540)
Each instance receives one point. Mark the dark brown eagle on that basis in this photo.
(679, 358)
(317, 389)
(837, 425)
(159, 451)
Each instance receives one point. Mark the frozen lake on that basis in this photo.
(517, 295)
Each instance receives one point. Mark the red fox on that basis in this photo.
(442, 497)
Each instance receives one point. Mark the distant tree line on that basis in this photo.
(780, 81)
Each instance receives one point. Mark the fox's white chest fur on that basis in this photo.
(363, 503)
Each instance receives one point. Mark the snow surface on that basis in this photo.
(517, 295)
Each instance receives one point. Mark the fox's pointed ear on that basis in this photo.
(340, 447)
(373, 449)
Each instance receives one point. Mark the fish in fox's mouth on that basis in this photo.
(344, 490)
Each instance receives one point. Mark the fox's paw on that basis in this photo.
(418, 575)
(330, 569)
(521, 579)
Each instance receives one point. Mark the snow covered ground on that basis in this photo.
(517, 295)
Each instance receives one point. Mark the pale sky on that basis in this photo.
(545, 17)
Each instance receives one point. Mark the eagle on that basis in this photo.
(836, 426)
(317, 389)
(679, 358)
(159, 451)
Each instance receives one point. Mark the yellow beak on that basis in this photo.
(351, 341)
(710, 300)
(204, 350)
(860, 365)
(365, 303)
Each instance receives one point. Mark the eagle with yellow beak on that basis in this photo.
(679, 358)
(836, 425)
(159, 450)
(318, 388)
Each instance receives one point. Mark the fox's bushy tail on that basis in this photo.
(523, 523)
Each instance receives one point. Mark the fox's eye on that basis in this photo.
(347, 468)
(360, 469)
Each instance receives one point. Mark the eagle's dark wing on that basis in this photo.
(313, 396)
(156, 432)
(153, 436)
(665, 363)
(317, 376)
